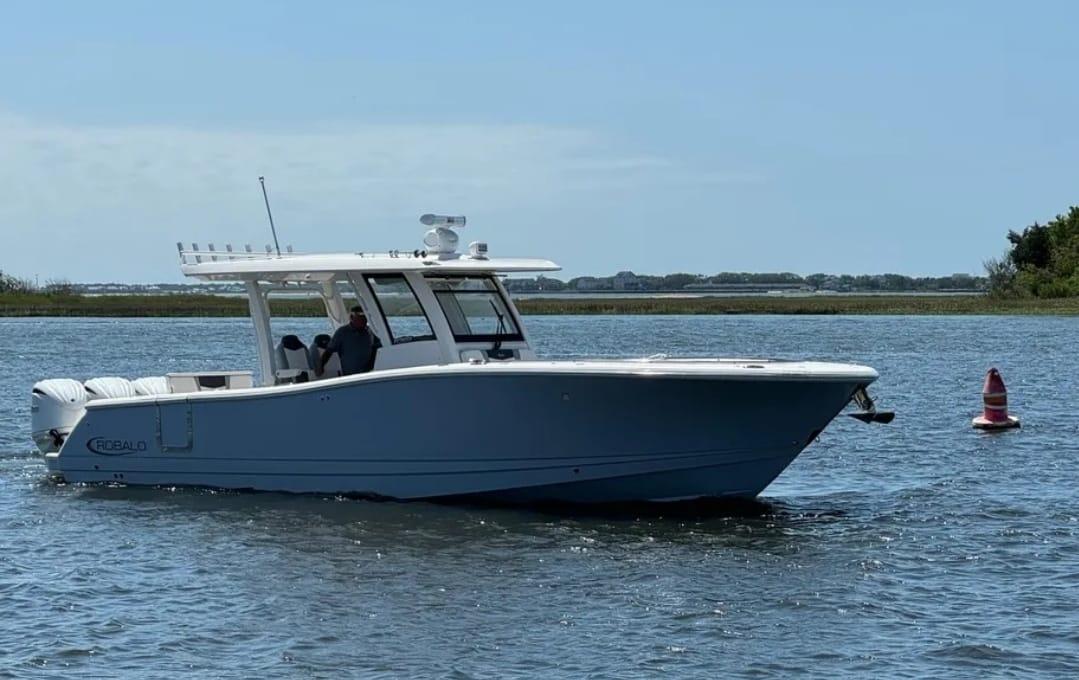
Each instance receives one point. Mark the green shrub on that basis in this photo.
(1043, 260)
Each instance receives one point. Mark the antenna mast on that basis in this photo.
(273, 230)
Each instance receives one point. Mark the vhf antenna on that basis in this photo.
(262, 181)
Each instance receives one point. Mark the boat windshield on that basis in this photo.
(404, 316)
(474, 308)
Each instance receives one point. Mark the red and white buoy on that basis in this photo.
(995, 400)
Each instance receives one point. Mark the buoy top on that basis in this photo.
(994, 384)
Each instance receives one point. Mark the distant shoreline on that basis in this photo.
(45, 305)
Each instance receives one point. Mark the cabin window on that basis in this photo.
(403, 313)
(474, 308)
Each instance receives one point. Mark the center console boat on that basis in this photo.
(458, 403)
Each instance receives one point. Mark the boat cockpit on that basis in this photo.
(426, 307)
(419, 320)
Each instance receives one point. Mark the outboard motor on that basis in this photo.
(55, 407)
(318, 348)
(157, 384)
(109, 388)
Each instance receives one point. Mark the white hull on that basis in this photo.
(518, 431)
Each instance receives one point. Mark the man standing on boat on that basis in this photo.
(354, 343)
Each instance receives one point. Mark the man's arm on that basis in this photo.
(375, 344)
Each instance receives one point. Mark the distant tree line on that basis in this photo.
(623, 281)
(628, 281)
(13, 284)
(1043, 260)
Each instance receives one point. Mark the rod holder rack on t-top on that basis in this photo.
(441, 242)
(196, 256)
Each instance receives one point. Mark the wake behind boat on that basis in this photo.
(457, 403)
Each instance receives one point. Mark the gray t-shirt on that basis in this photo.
(356, 349)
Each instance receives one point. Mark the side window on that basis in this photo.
(474, 308)
(399, 306)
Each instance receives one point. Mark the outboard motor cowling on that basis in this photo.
(109, 388)
(157, 384)
(55, 407)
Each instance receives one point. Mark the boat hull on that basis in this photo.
(522, 436)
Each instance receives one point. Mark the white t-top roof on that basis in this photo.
(223, 266)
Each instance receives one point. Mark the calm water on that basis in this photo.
(915, 549)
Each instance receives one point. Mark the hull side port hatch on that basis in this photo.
(174, 426)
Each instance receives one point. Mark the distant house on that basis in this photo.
(626, 281)
(587, 283)
(746, 287)
(520, 285)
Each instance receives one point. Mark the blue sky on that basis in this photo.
(658, 137)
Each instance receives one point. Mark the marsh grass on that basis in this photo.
(45, 304)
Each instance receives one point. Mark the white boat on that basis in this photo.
(458, 403)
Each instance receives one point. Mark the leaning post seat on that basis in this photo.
(293, 364)
(318, 348)
(109, 388)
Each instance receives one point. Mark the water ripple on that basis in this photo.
(920, 549)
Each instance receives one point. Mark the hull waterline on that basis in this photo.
(515, 435)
